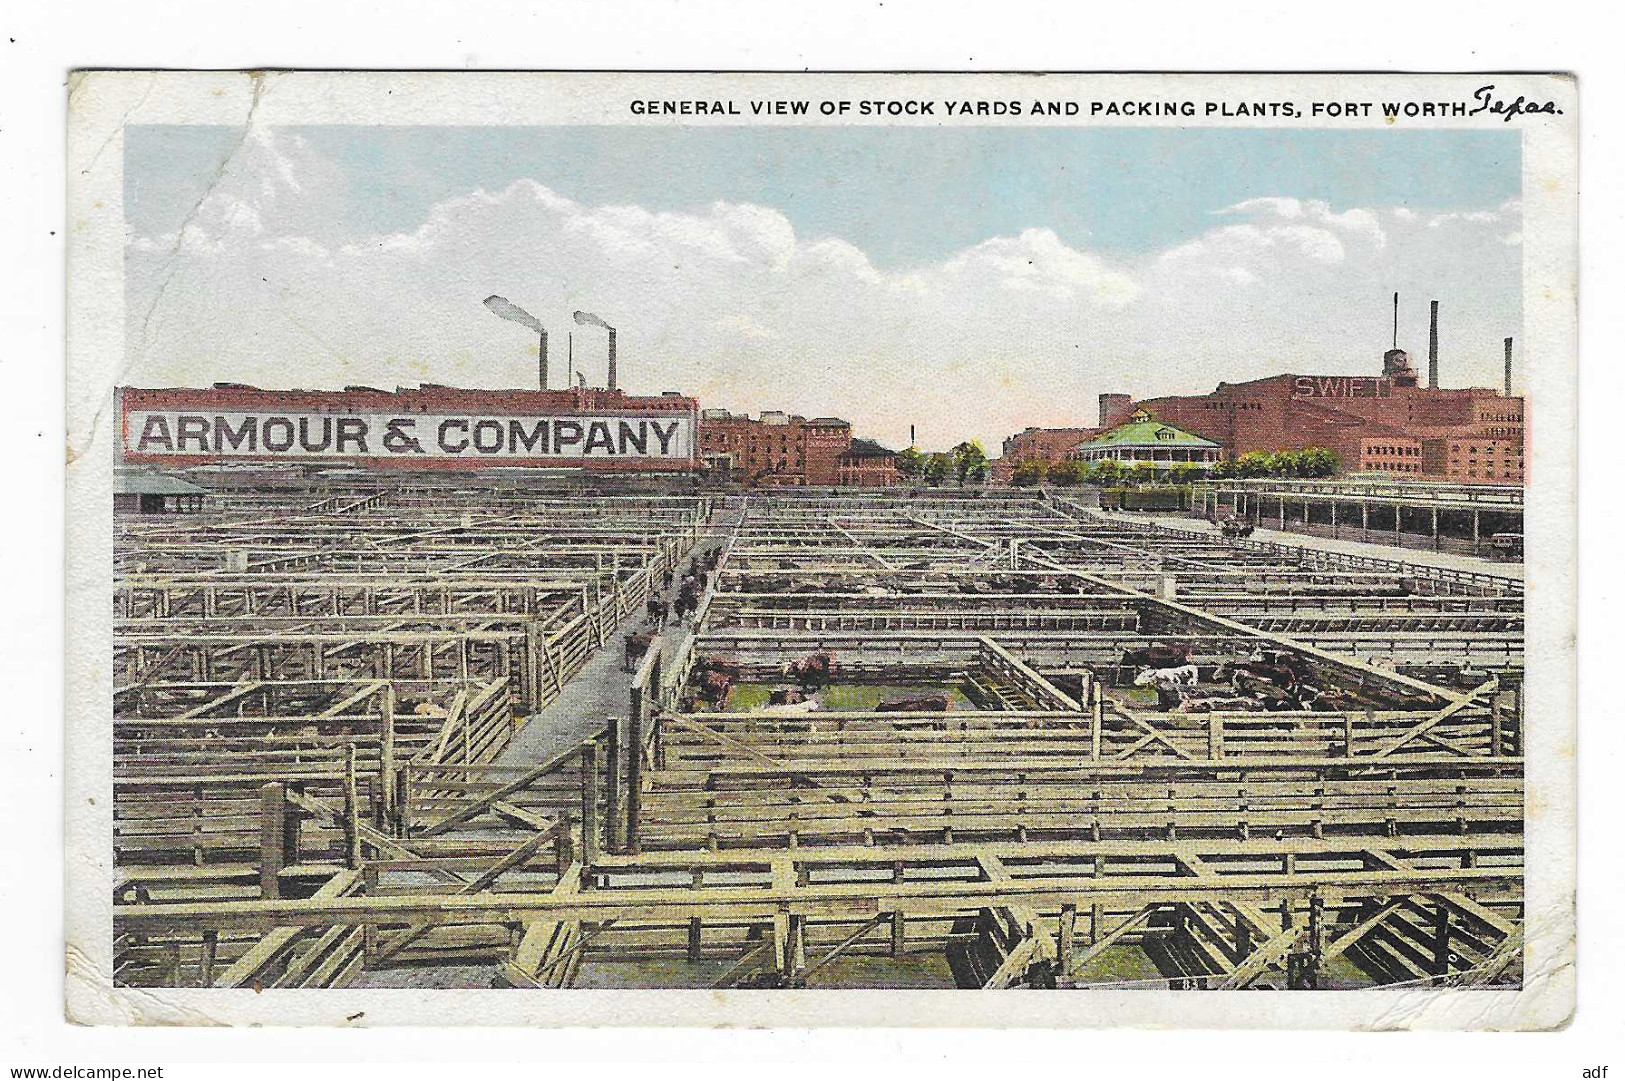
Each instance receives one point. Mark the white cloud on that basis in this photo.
(1510, 211)
(1037, 261)
(729, 303)
(1354, 222)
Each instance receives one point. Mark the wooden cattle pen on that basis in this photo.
(905, 740)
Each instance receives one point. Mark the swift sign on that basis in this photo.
(1342, 386)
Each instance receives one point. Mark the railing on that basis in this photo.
(1491, 583)
(1478, 581)
(1491, 496)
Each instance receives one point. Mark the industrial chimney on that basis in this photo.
(541, 362)
(1507, 385)
(588, 319)
(1433, 345)
(1114, 409)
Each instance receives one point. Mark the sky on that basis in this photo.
(968, 281)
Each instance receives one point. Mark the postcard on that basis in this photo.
(748, 549)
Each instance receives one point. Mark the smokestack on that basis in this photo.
(1114, 408)
(1507, 392)
(588, 319)
(911, 427)
(1396, 322)
(1433, 345)
(503, 308)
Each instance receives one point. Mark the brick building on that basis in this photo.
(1052, 445)
(1378, 423)
(1045, 444)
(776, 449)
(867, 464)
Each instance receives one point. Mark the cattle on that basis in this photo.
(1321, 699)
(655, 610)
(636, 646)
(1168, 683)
(720, 665)
(811, 672)
(688, 602)
(920, 703)
(714, 688)
(1261, 668)
(1279, 656)
(1183, 675)
(1154, 655)
(428, 709)
(786, 696)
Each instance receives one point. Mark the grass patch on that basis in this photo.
(1119, 963)
(856, 697)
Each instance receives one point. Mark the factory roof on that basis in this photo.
(867, 448)
(154, 484)
(1144, 430)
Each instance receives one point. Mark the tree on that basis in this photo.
(1066, 473)
(1318, 462)
(910, 462)
(1030, 471)
(1308, 462)
(970, 461)
(1107, 472)
(1255, 463)
(937, 468)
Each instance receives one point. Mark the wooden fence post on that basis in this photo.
(1068, 935)
(612, 778)
(1097, 711)
(386, 763)
(531, 694)
(275, 819)
(352, 811)
(634, 769)
(589, 802)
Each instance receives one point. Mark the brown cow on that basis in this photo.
(636, 646)
(714, 688)
(812, 672)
